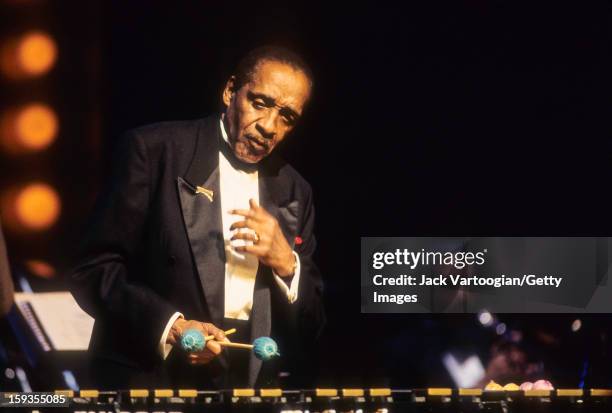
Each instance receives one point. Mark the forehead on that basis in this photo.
(282, 82)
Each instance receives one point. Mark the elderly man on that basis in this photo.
(205, 227)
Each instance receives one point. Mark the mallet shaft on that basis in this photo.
(227, 333)
(235, 345)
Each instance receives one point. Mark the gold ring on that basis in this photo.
(256, 235)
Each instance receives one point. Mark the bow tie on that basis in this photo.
(227, 150)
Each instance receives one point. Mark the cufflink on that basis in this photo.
(206, 192)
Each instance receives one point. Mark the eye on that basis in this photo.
(289, 118)
(259, 104)
(289, 121)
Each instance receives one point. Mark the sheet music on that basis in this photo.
(65, 323)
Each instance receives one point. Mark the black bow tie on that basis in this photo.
(227, 150)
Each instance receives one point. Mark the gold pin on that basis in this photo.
(206, 192)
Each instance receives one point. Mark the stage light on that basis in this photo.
(576, 325)
(31, 128)
(516, 336)
(9, 373)
(33, 207)
(40, 268)
(37, 206)
(36, 53)
(32, 54)
(485, 318)
(36, 126)
(500, 329)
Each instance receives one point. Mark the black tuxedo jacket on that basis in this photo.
(155, 246)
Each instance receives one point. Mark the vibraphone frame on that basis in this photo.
(379, 400)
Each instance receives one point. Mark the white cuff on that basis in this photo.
(165, 348)
(292, 290)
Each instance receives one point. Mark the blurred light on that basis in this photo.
(485, 318)
(30, 128)
(40, 268)
(36, 126)
(32, 54)
(24, 285)
(70, 380)
(38, 206)
(500, 329)
(36, 53)
(465, 373)
(23, 380)
(576, 325)
(516, 336)
(9, 373)
(35, 206)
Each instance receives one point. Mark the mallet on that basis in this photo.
(264, 348)
(193, 340)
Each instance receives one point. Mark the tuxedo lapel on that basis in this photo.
(261, 323)
(199, 193)
(275, 197)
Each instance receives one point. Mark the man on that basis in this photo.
(204, 227)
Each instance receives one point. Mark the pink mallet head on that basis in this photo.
(543, 385)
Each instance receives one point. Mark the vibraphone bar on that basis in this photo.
(379, 400)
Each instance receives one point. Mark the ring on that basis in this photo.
(256, 235)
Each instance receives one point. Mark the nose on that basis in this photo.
(267, 125)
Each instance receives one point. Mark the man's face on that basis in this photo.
(265, 109)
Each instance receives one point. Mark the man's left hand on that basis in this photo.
(269, 245)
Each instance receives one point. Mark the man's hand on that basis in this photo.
(212, 349)
(272, 249)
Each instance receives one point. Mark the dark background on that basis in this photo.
(464, 118)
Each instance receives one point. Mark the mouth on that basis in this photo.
(259, 147)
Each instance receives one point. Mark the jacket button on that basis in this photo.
(171, 260)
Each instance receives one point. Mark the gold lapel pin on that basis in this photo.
(206, 192)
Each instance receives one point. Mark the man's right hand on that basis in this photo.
(212, 349)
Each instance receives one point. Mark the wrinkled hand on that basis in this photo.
(272, 249)
(212, 349)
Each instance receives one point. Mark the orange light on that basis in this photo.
(33, 207)
(37, 206)
(40, 268)
(31, 128)
(36, 126)
(32, 54)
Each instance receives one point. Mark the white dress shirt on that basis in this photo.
(237, 187)
(240, 268)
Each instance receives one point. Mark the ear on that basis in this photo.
(229, 90)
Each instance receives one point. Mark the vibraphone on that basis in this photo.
(380, 400)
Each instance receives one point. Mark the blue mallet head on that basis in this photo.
(265, 348)
(192, 340)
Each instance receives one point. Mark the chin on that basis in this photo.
(251, 159)
(245, 156)
(248, 158)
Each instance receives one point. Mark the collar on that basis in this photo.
(222, 126)
(228, 152)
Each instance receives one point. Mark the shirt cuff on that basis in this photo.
(165, 348)
(292, 290)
